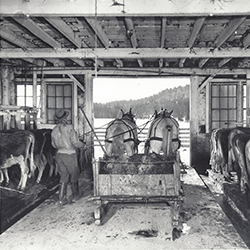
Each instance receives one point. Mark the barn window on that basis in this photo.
(228, 104)
(58, 96)
(25, 96)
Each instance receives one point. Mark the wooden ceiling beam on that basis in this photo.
(131, 33)
(197, 27)
(65, 30)
(76, 82)
(117, 53)
(56, 62)
(98, 31)
(37, 31)
(223, 62)
(144, 71)
(246, 40)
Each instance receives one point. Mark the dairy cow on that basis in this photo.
(44, 152)
(16, 148)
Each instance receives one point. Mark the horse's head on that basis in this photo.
(128, 115)
(166, 114)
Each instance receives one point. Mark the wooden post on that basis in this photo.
(248, 99)
(208, 109)
(239, 117)
(5, 82)
(194, 128)
(89, 113)
(34, 89)
(75, 109)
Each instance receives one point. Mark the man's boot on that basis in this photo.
(62, 193)
(75, 191)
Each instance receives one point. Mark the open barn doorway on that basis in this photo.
(144, 96)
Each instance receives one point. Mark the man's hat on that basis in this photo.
(61, 114)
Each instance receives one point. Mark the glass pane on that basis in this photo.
(224, 115)
(223, 102)
(215, 102)
(232, 102)
(215, 115)
(20, 90)
(223, 91)
(59, 90)
(215, 90)
(51, 102)
(244, 90)
(29, 90)
(20, 101)
(67, 90)
(67, 102)
(244, 102)
(59, 102)
(232, 90)
(215, 125)
(232, 115)
(29, 101)
(51, 90)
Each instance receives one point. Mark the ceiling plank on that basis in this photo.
(65, 30)
(98, 31)
(10, 36)
(101, 35)
(131, 33)
(229, 30)
(225, 34)
(118, 53)
(197, 27)
(163, 31)
(37, 31)
(56, 62)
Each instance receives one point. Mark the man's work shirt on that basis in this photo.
(65, 139)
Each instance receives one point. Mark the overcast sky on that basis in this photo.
(113, 89)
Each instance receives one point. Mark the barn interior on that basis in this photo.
(54, 49)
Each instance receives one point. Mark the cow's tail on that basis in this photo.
(118, 143)
(32, 162)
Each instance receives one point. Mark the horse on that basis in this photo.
(121, 136)
(163, 135)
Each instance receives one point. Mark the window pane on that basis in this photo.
(223, 103)
(215, 91)
(20, 101)
(20, 90)
(29, 90)
(223, 91)
(38, 90)
(29, 101)
(215, 103)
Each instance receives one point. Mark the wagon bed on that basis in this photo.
(146, 179)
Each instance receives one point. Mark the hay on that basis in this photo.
(136, 164)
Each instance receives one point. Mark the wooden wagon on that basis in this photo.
(140, 180)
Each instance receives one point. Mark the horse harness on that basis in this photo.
(155, 138)
(130, 130)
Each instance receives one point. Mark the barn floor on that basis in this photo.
(49, 226)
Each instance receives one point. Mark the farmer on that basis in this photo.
(65, 140)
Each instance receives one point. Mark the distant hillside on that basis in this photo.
(175, 98)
